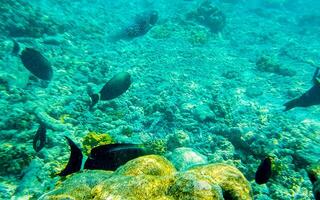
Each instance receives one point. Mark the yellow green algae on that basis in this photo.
(154, 177)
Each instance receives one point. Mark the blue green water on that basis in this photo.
(212, 76)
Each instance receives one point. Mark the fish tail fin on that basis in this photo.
(94, 99)
(291, 104)
(75, 160)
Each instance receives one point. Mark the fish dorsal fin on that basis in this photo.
(75, 160)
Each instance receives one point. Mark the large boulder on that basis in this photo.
(154, 177)
(184, 158)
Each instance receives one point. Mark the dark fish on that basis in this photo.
(39, 138)
(309, 98)
(36, 63)
(75, 160)
(141, 25)
(16, 48)
(111, 156)
(113, 88)
(264, 171)
(105, 157)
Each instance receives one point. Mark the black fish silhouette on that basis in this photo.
(104, 157)
(36, 63)
(264, 171)
(75, 160)
(111, 156)
(113, 88)
(309, 98)
(141, 25)
(39, 138)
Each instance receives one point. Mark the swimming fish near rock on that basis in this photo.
(75, 160)
(119, 84)
(39, 138)
(104, 157)
(111, 156)
(141, 25)
(36, 63)
(309, 98)
(264, 171)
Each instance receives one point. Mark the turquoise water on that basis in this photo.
(210, 76)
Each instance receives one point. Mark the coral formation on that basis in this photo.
(268, 64)
(14, 158)
(209, 16)
(179, 138)
(157, 146)
(199, 36)
(28, 22)
(93, 139)
(154, 177)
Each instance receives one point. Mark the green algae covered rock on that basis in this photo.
(184, 158)
(229, 178)
(93, 139)
(195, 186)
(147, 165)
(154, 177)
(78, 186)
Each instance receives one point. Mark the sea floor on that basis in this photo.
(187, 80)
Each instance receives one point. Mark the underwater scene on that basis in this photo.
(160, 100)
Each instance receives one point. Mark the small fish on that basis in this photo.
(264, 171)
(104, 157)
(309, 98)
(141, 25)
(111, 156)
(113, 88)
(36, 63)
(75, 160)
(39, 138)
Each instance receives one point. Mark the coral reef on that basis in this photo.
(14, 158)
(198, 36)
(154, 177)
(28, 22)
(179, 138)
(157, 146)
(209, 16)
(267, 64)
(93, 139)
(197, 84)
